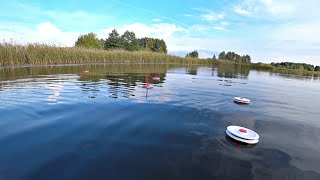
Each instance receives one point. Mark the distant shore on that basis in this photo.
(47, 55)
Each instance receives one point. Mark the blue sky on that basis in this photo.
(268, 30)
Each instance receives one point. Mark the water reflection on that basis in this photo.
(102, 124)
(296, 75)
(122, 80)
(147, 92)
(56, 89)
(233, 71)
(192, 71)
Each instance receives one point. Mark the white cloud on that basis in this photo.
(247, 7)
(48, 31)
(212, 16)
(278, 8)
(241, 10)
(189, 44)
(269, 8)
(198, 28)
(209, 15)
(161, 30)
(304, 31)
(45, 32)
(290, 32)
(157, 20)
(221, 26)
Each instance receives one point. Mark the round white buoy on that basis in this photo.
(241, 100)
(242, 134)
(156, 78)
(148, 86)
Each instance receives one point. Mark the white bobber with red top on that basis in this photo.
(242, 134)
(242, 100)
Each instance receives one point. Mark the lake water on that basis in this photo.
(62, 122)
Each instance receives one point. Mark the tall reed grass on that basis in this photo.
(37, 54)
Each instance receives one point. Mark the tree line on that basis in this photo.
(193, 54)
(127, 41)
(292, 65)
(230, 56)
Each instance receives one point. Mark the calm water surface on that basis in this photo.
(63, 123)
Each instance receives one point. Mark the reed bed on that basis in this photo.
(39, 54)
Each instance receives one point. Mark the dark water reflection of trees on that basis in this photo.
(233, 71)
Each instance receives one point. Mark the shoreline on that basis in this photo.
(217, 63)
(37, 55)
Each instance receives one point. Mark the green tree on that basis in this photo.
(129, 40)
(292, 65)
(317, 68)
(114, 41)
(163, 46)
(193, 54)
(159, 46)
(214, 57)
(229, 56)
(222, 55)
(154, 45)
(246, 59)
(89, 40)
(232, 56)
(143, 43)
(150, 44)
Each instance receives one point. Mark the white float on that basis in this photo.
(241, 100)
(242, 134)
(147, 86)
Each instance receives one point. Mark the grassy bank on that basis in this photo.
(262, 66)
(37, 54)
